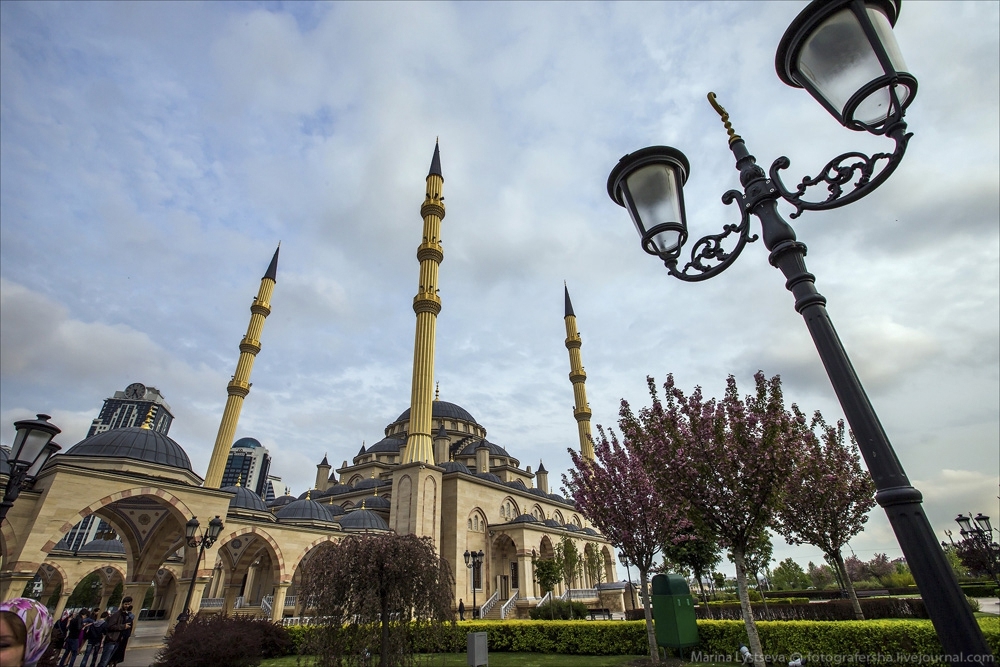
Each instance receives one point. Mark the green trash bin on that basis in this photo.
(673, 612)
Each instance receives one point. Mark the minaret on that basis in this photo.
(578, 376)
(427, 305)
(239, 386)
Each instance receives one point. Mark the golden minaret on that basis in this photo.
(427, 305)
(239, 386)
(578, 376)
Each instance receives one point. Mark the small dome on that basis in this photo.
(455, 466)
(362, 519)
(441, 410)
(524, 518)
(369, 483)
(516, 484)
(305, 510)
(569, 526)
(495, 450)
(553, 523)
(281, 501)
(141, 444)
(311, 493)
(374, 503)
(590, 531)
(559, 499)
(335, 510)
(245, 499)
(389, 444)
(337, 489)
(488, 476)
(103, 547)
(248, 443)
(535, 491)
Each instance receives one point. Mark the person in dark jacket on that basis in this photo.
(74, 633)
(118, 623)
(95, 638)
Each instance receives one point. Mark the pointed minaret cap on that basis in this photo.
(361, 452)
(435, 169)
(569, 304)
(272, 268)
(541, 467)
(324, 461)
(441, 432)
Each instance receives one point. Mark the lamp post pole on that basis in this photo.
(474, 561)
(31, 450)
(628, 572)
(202, 543)
(833, 46)
(979, 537)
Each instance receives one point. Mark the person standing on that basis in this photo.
(74, 636)
(116, 625)
(25, 632)
(119, 654)
(461, 610)
(95, 637)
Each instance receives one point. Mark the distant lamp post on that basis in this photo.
(474, 561)
(201, 543)
(978, 539)
(844, 54)
(628, 572)
(31, 450)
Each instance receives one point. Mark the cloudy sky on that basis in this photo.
(153, 155)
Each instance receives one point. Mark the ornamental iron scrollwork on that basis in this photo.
(710, 248)
(848, 177)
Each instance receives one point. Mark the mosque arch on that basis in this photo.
(502, 565)
(476, 522)
(508, 509)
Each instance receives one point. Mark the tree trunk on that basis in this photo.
(851, 593)
(741, 588)
(384, 658)
(654, 651)
(704, 596)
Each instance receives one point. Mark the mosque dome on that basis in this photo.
(369, 483)
(495, 450)
(362, 520)
(535, 491)
(310, 493)
(552, 523)
(305, 510)
(455, 466)
(516, 484)
(336, 490)
(590, 531)
(141, 444)
(388, 444)
(335, 510)
(247, 443)
(488, 476)
(559, 499)
(245, 499)
(374, 503)
(441, 410)
(524, 518)
(103, 547)
(570, 526)
(281, 501)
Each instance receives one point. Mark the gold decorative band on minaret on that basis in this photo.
(578, 376)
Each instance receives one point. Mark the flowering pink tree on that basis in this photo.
(828, 497)
(616, 495)
(727, 459)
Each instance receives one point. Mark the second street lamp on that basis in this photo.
(474, 561)
(201, 543)
(843, 52)
(30, 451)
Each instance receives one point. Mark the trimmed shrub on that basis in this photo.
(979, 590)
(832, 610)
(559, 610)
(224, 641)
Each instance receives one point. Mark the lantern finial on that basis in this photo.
(733, 137)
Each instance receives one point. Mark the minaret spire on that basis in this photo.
(426, 305)
(239, 386)
(578, 376)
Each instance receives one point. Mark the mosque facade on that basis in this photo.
(434, 473)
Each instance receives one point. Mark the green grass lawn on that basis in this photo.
(496, 660)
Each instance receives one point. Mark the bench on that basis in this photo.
(871, 593)
(593, 613)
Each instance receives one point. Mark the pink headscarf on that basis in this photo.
(38, 624)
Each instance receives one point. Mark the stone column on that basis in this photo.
(232, 592)
(12, 583)
(278, 608)
(61, 604)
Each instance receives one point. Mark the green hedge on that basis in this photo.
(720, 638)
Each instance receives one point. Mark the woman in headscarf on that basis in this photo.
(25, 629)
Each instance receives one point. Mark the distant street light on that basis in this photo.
(978, 539)
(31, 450)
(843, 52)
(201, 543)
(474, 561)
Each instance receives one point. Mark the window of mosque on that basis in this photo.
(576, 521)
(557, 515)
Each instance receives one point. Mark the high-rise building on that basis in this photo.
(248, 464)
(274, 488)
(130, 408)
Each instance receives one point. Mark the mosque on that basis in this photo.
(433, 474)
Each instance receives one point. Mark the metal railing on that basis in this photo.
(213, 603)
(508, 605)
(489, 604)
(266, 603)
(240, 602)
(291, 600)
(582, 594)
(546, 598)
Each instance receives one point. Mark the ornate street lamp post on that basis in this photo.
(31, 450)
(474, 561)
(978, 538)
(628, 572)
(844, 54)
(201, 543)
